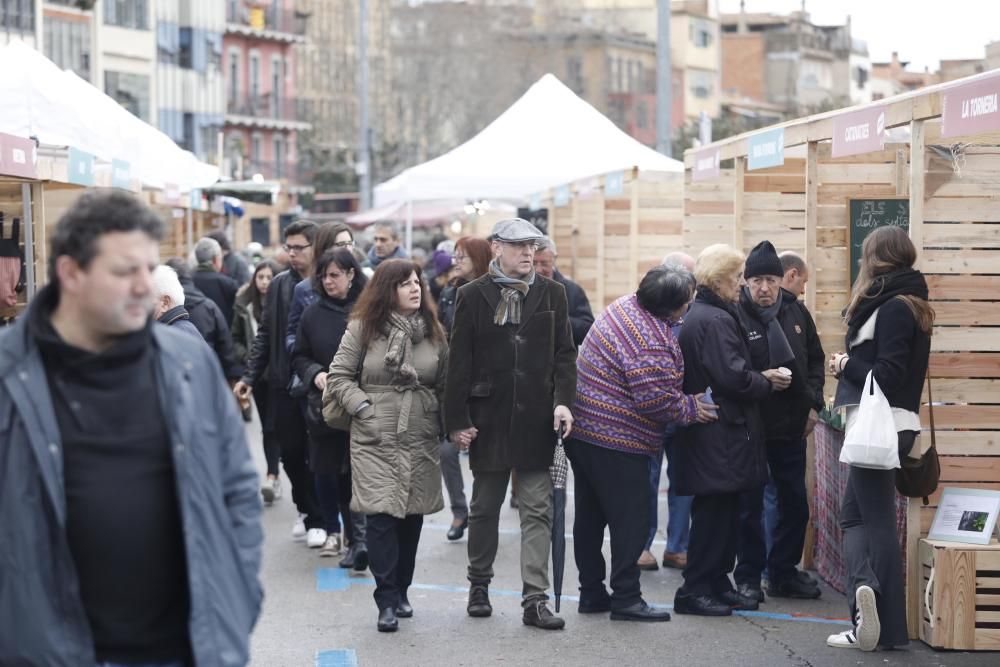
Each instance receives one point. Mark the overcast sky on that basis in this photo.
(922, 32)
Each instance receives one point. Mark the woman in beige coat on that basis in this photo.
(389, 373)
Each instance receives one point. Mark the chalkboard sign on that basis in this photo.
(867, 215)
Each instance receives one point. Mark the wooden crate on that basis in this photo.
(962, 608)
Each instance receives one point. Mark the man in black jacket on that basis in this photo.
(581, 317)
(270, 354)
(208, 277)
(780, 333)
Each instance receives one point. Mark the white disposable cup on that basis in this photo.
(785, 371)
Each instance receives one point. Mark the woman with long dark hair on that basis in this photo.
(889, 323)
(389, 373)
(329, 236)
(338, 282)
(247, 313)
(471, 260)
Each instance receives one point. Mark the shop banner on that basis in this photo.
(859, 132)
(561, 196)
(706, 165)
(17, 156)
(971, 108)
(614, 184)
(81, 167)
(766, 149)
(121, 174)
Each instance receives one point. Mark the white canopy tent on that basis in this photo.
(60, 109)
(549, 137)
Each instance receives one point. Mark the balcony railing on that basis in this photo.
(264, 106)
(270, 170)
(265, 17)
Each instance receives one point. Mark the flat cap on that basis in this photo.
(516, 230)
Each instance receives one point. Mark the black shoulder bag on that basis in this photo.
(918, 478)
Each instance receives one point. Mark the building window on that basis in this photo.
(862, 77)
(187, 137)
(702, 84)
(254, 76)
(279, 156)
(234, 76)
(641, 115)
(186, 56)
(127, 14)
(17, 15)
(129, 90)
(277, 85)
(701, 34)
(256, 151)
(67, 44)
(574, 74)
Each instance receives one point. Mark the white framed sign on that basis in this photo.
(966, 515)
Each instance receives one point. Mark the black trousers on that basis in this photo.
(787, 461)
(712, 548)
(612, 489)
(392, 555)
(272, 448)
(290, 428)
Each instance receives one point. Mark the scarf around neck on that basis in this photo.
(779, 352)
(402, 333)
(512, 293)
(902, 282)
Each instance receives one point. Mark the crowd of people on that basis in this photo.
(371, 373)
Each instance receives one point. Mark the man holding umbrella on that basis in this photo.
(511, 380)
(631, 375)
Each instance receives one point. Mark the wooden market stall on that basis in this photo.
(611, 229)
(943, 175)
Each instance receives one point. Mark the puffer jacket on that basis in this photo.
(42, 619)
(395, 462)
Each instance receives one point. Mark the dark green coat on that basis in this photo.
(506, 381)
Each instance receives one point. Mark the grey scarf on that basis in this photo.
(403, 333)
(778, 350)
(512, 293)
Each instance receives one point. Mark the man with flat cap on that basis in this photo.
(511, 378)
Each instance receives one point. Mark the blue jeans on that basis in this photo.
(678, 507)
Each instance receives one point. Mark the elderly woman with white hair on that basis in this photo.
(718, 460)
(169, 307)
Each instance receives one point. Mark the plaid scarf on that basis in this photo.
(512, 293)
(402, 333)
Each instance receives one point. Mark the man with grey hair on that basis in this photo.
(581, 317)
(385, 243)
(678, 258)
(169, 305)
(208, 277)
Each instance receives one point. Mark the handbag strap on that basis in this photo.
(930, 407)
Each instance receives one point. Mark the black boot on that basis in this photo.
(403, 607)
(701, 605)
(538, 614)
(737, 600)
(479, 601)
(387, 620)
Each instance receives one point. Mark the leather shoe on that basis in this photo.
(403, 608)
(701, 605)
(794, 588)
(457, 529)
(640, 611)
(479, 601)
(677, 561)
(647, 561)
(750, 591)
(805, 577)
(600, 605)
(737, 600)
(387, 620)
(356, 557)
(538, 614)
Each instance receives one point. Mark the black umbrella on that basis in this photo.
(558, 470)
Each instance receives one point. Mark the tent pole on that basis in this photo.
(29, 240)
(409, 226)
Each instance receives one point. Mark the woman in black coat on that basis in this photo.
(338, 281)
(717, 461)
(889, 323)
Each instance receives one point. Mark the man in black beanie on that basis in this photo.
(781, 334)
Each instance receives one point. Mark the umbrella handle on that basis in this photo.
(562, 430)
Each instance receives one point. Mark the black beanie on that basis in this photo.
(763, 261)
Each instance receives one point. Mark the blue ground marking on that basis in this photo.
(335, 579)
(341, 657)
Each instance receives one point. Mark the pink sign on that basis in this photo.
(859, 132)
(706, 165)
(971, 108)
(17, 156)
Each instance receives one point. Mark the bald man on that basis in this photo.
(796, 273)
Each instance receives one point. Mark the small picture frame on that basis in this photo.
(966, 515)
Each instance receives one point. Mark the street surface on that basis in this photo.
(316, 614)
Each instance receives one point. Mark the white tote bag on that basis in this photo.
(871, 440)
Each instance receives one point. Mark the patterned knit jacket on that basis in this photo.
(630, 376)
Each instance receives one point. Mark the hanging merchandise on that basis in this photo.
(11, 264)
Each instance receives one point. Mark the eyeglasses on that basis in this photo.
(460, 258)
(344, 244)
(296, 248)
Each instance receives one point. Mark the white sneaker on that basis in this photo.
(270, 490)
(299, 528)
(868, 628)
(331, 547)
(845, 639)
(315, 538)
(276, 487)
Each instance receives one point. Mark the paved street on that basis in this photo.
(317, 614)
